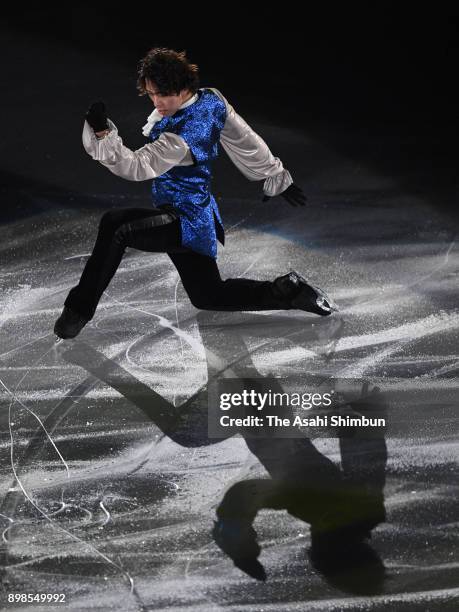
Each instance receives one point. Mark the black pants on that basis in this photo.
(155, 230)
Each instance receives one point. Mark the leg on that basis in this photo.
(202, 281)
(206, 289)
(141, 228)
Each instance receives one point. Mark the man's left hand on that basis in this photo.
(293, 194)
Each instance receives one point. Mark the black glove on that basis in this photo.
(293, 194)
(97, 117)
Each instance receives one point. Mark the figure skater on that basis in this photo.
(185, 130)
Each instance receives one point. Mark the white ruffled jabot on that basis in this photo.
(156, 116)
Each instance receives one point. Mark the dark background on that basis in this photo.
(374, 84)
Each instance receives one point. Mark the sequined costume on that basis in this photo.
(187, 188)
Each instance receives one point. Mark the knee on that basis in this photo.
(204, 290)
(202, 302)
(206, 300)
(107, 218)
(120, 235)
(202, 295)
(113, 225)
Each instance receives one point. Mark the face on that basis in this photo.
(166, 105)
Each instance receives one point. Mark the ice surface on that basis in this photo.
(109, 484)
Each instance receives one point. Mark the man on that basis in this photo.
(185, 130)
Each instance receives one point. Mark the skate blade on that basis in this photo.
(324, 301)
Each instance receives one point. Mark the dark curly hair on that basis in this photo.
(169, 70)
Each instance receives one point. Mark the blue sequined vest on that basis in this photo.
(187, 188)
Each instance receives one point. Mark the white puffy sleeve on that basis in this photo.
(250, 153)
(148, 162)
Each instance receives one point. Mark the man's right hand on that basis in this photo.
(96, 116)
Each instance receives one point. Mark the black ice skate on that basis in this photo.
(302, 295)
(69, 324)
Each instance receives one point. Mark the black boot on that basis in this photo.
(69, 324)
(298, 293)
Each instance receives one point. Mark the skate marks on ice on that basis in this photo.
(246, 498)
(150, 402)
(73, 512)
(169, 569)
(167, 528)
(89, 360)
(43, 434)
